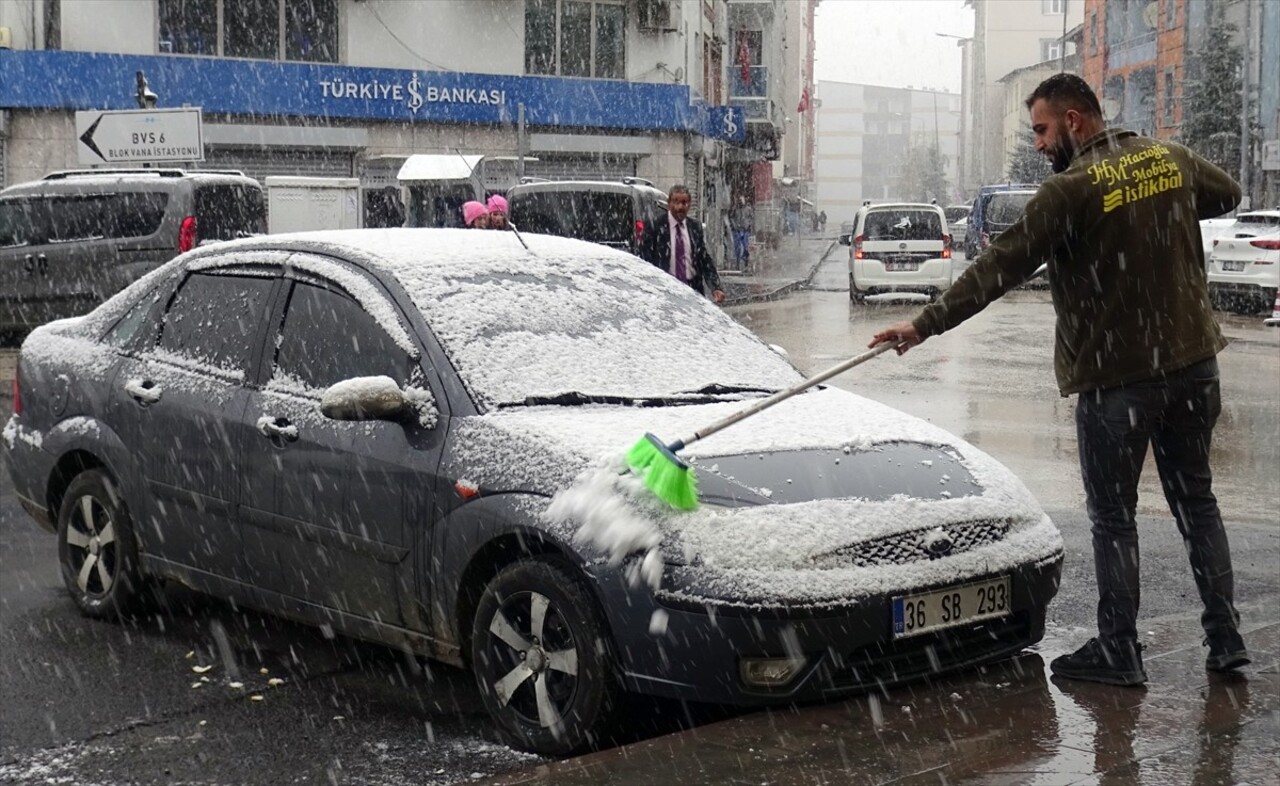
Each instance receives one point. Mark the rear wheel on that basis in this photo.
(97, 550)
(539, 650)
(855, 294)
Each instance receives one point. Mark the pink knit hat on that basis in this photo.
(473, 210)
(498, 204)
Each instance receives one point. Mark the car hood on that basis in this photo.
(792, 496)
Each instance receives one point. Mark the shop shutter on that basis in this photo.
(4, 180)
(259, 163)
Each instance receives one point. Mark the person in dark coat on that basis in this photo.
(686, 257)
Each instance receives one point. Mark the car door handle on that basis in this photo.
(144, 392)
(277, 428)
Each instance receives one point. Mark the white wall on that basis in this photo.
(116, 26)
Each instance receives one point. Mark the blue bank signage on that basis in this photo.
(87, 80)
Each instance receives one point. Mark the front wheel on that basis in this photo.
(97, 550)
(540, 653)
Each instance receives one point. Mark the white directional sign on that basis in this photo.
(137, 136)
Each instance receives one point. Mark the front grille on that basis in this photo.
(890, 662)
(907, 547)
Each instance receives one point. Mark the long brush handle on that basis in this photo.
(782, 395)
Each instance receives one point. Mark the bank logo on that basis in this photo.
(730, 125)
(414, 94)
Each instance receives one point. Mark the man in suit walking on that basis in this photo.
(678, 246)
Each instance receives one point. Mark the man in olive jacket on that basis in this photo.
(1135, 338)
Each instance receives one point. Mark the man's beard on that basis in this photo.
(1061, 154)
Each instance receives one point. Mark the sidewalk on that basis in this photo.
(775, 272)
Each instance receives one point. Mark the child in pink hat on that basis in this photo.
(475, 215)
(498, 212)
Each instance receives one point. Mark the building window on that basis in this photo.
(1050, 49)
(304, 30)
(1168, 97)
(575, 38)
(1170, 14)
(1052, 6)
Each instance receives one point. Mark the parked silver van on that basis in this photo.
(72, 239)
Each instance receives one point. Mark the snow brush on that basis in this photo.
(672, 480)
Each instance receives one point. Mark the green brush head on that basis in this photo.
(669, 478)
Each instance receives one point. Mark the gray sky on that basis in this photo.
(890, 42)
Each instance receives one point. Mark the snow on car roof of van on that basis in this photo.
(562, 316)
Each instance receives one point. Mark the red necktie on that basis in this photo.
(682, 264)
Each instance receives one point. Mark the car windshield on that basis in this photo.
(955, 213)
(1007, 207)
(600, 217)
(902, 225)
(598, 324)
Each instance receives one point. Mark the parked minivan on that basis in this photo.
(898, 247)
(612, 213)
(986, 221)
(72, 239)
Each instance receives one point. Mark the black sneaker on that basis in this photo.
(1226, 652)
(1098, 662)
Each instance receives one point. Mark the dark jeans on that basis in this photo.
(1175, 414)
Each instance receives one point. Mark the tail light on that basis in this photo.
(187, 235)
(1268, 244)
(639, 232)
(946, 246)
(857, 246)
(17, 394)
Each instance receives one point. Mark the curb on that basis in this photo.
(784, 289)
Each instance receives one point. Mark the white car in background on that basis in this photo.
(1244, 272)
(898, 247)
(1251, 224)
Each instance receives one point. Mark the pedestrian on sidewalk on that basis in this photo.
(678, 246)
(741, 221)
(1136, 340)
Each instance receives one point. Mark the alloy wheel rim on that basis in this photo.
(91, 546)
(533, 658)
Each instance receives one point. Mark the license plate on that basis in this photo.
(951, 606)
(1233, 267)
(901, 266)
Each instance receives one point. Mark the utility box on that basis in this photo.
(299, 204)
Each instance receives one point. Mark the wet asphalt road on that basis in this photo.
(97, 703)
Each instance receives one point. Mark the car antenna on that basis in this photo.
(509, 224)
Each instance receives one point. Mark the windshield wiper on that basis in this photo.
(574, 398)
(717, 389)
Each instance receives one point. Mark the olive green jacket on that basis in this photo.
(1119, 230)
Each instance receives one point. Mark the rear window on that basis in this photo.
(902, 225)
(955, 213)
(1259, 221)
(1006, 208)
(586, 215)
(229, 211)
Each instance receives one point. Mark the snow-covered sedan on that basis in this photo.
(414, 437)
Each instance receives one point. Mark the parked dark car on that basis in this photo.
(984, 224)
(385, 432)
(72, 239)
(613, 213)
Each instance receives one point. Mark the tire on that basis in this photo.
(855, 295)
(97, 551)
(564, 696)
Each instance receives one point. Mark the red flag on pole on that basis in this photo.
(803, 106)
(744, 58)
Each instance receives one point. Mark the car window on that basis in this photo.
(19, 220)
(77, 218)
(902, 225)
(1259, 220)
(136, 213)
(213, 319)
(1006, 208)
(955, 213)
(225, 212)
(327, 337)
(600, 217)
(121, 335)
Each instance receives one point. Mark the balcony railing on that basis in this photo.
(1136, 50)
(755, 86)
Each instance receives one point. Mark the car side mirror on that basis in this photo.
(846, 239)
(781, 351)
(365, 398)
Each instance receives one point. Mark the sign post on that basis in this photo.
(137, 136)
